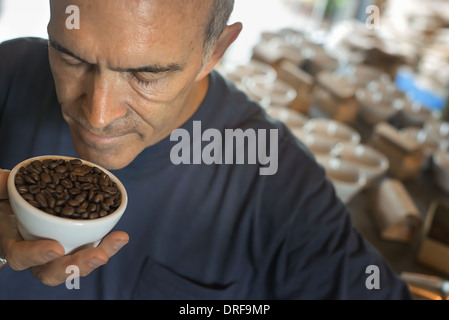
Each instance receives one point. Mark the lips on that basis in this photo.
(99, 140)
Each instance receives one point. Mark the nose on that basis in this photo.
(102, 104)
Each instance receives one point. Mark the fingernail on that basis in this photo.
(95, 263)
(119, 244)
(52, 255)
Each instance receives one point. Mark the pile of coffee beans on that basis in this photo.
(68, 188)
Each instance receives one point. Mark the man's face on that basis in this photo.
(130, 74)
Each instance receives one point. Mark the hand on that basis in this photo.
(45, 258)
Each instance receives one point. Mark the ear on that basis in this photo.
(226, 39)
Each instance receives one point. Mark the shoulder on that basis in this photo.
(20, 49)
(24, 59)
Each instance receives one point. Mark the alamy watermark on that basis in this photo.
(373, 280)
(73, 20)
(73, 280)
(373, 20)
(231, 148)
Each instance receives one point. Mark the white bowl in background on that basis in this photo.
(427, 142)
(411, 114)
(347, 179)
(439, 130)
(441, 169)
(373, 107)
(369, 161)
(279, 93)
(333, 130)
(292, 118)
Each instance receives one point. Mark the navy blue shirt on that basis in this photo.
(198, 231)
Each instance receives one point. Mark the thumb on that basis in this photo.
(4, 174)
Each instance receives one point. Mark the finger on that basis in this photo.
(4, 174)
(86, 260)
(55, 272)
(113, 242)
(22, 255)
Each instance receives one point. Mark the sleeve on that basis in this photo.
(6, 71)
(317, 253)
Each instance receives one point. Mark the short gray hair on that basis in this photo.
(220, 12)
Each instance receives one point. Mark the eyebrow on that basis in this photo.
(61, 49)
(154, 68)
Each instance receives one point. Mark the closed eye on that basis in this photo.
(72, 62)
(144, 82)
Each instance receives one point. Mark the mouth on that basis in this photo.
(98, 140)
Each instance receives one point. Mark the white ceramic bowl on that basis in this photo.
(438, 130)
(291, 118)
(334, 131)
(317, 144)
(441, 169)
(278, 92)
(427, 142)
(347, 179)
(237, 73)
(369, 161)
(35, 224)
(412, 114)
(373, 107)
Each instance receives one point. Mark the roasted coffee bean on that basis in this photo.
(86, 178)
(109, 202)
(66, 183)
(93, 215)
(81, 197)
(34, 189)
(111, 190)
(91, 194)
(29, 179)
(82, 207)
(22, 189)
(51, 202)
(92, 207)
(74, 191)
(45, 178)
(84, 215)
(68, 189)
(86, 186)
(40, 198)
(60, 202)
(19, 180)
(36, 177)
(59, 189)
(28, 196)
(104, 206)
(73, 203)
(55, 178)
(34, 203)
(41, 185)
(75, 162)
(61, 169)
(31, 169)
(98, 198)
(67, 211)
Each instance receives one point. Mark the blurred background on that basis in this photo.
(364, 84)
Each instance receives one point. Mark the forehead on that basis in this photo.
(137, 27)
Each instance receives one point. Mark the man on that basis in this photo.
(113, 91)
